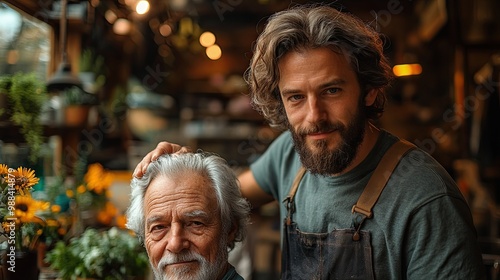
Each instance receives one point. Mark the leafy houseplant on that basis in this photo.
(89, 62)
(91, 71)
(26, 95)
(77, 96)
(109, 255)
(77, 103)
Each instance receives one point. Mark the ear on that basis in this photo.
(370, 97)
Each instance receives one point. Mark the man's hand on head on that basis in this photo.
(161, 149)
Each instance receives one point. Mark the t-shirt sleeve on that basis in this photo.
(268, 168)
(435, 250)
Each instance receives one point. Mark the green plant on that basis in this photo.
(26, 94)
(109, 255)
(89, 62)
(5, 85)
(77, 96)
(58, 219)
(92, 71)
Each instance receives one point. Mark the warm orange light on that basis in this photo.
(121, 26)
(110, 16)
(165, 29)
(142, 7)
(129, 2)
(214, 52)
(207, 39)
(401, 70)
(94, 3)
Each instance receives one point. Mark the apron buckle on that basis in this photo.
(357, 209)
(357, 226)
(290, 207)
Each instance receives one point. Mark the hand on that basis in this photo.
(161, 148)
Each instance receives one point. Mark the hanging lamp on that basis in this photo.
(63, 77)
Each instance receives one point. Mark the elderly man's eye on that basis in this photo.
(196, 224)
(157, 227)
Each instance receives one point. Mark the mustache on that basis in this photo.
(320, 127)
(186, 256)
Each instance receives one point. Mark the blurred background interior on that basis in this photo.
(147, 71)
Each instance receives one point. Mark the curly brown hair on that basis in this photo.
(304, 27)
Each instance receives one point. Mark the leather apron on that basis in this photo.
(339, 254)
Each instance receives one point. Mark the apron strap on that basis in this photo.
(289, 198)
(373, 189)
(380, 176)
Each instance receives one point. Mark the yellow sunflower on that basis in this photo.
(70, 193)
(8, 226)
(4, 169)
(26, 207)
(98, 179)
(25, 179)
(81, 189)
(55, 208)
(52, 223)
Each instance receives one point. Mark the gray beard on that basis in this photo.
(207, 270)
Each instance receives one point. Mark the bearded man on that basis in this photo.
(359, 203)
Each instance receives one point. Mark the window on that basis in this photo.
(24, 43)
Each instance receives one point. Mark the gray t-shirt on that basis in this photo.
(421, 227)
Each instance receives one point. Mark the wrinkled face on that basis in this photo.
(324, 107)
(183, 231)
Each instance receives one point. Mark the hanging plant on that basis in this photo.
(26, 95)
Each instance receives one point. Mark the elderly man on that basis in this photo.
(188, 211)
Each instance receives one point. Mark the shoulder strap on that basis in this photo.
(380, 176)
(289, 198)
(296, 181)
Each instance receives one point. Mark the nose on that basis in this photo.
(316, 110)
(176, 239)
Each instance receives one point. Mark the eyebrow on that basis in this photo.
(152, 220)
(197, 214)
(192, 214)
(334, 82)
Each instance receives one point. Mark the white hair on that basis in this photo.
(233, 209)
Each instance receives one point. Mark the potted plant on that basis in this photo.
(91, 71)
(26, 95)
(21, 222)
(77, 105)
(91, 193)
(110, 254)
